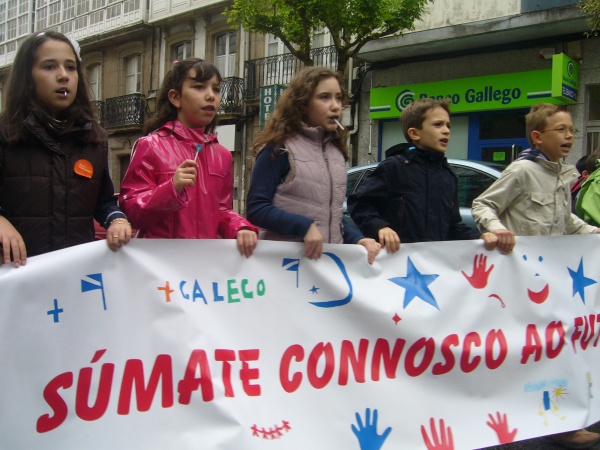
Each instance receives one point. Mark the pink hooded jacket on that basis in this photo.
(202, 211)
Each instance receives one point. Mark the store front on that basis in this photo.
(488, 112)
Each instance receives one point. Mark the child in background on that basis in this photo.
(588, 199)
(412, 196)
(179, 184)
(298, 184)
(532, 198)
(54, 176)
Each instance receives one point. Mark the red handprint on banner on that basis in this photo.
(443, 442)
(480, 275)
(500, 426)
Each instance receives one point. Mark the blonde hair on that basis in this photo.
(537, 118)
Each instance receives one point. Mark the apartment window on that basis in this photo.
(278, 70)
(133, 74)
(113, 11)
(68, 9)
(94, 80)
(96, 17)
(83, 7)
(225, 50)
(97, 4)
(182, 51)
(23, 7)
(23, 28)
(12, 9)
(40, 21)
(54, 14)
(131, 6)
(11, 29)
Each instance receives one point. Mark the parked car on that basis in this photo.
(474, 177)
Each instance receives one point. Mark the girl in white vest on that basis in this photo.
(298, 184)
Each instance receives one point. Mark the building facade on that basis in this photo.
(492, 60)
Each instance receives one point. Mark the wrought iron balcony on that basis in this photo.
(232, 93)
(125, 111)
(280, 69)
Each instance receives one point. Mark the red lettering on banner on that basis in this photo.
(47, 422)
(288, 384)
(84, 382)
(225, 356)
(381, 352)
(467, 365)
(190, 383)
(495, 337)
(348, 355)
(326, 351)
(133, 374)
(449, 341)
(584, 337)
(427, 346)
(248, 374)
(554, 341)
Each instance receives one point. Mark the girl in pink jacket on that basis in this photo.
(179, 184)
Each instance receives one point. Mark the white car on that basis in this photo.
(474, 177)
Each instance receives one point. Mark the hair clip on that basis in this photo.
(175, 61)
(76, 47)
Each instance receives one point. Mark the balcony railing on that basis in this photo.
(280, 69)
(232, 94)
(127, 110)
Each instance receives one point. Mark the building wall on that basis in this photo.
(368, 142)
(443, 13)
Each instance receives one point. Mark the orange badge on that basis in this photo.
(84, 168)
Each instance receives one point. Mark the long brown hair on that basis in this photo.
(165, 111)
(292, 108)
(21, 98)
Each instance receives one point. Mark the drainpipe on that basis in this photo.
(242, 201)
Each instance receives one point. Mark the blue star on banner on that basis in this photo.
(580, 281)
(415, 284)
(314, 289)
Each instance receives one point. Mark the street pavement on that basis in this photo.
(539, 443)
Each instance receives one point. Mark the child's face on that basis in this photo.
(55, 75)
(325, 105)
(435, 132)
(556, 139)
(198, 102)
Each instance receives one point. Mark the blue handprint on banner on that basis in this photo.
(367, 436)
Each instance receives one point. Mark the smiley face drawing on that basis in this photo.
(539, 296)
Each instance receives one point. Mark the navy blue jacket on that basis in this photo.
(414, 192)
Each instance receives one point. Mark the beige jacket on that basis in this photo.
(531, 198)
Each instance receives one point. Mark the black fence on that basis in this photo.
(280, 69)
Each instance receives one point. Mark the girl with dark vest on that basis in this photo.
(298, 184)
(54, 176)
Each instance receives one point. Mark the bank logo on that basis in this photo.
(405, 98)
(570, 68)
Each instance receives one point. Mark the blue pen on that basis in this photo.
(198, 148)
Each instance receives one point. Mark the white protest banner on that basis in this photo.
(187, 345)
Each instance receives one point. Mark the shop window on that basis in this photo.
(593, 118)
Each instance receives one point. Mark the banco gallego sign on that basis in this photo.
(485, 93)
